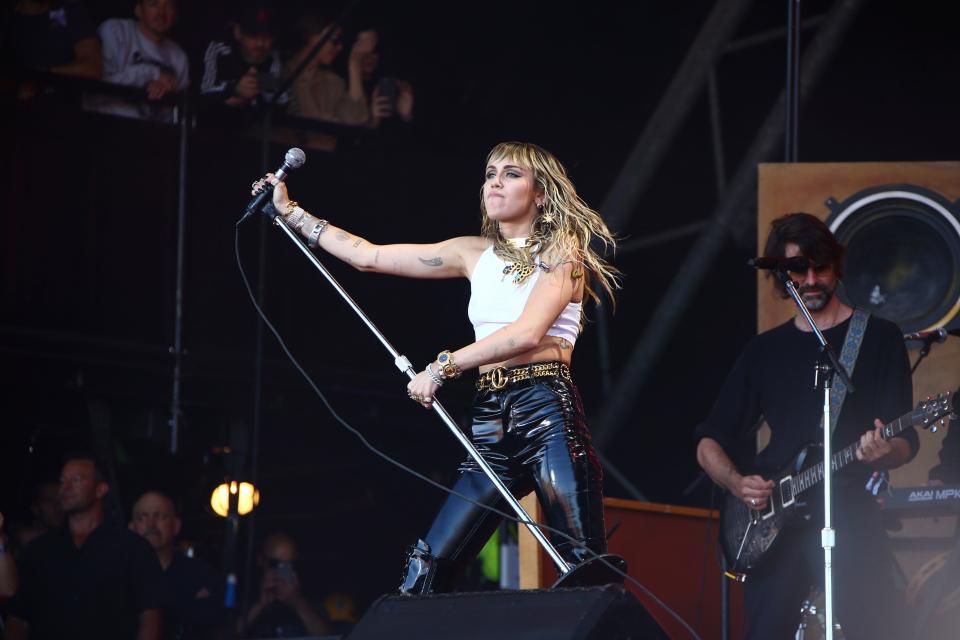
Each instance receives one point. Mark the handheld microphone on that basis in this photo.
(797, 264)
(938, 335)
(294, 159)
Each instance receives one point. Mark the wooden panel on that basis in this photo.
(531, 558)
(672, 551)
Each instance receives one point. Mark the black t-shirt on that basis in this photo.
(46, 40)
(277, 620)
(773, 379)
(95, 591)
(185, 614)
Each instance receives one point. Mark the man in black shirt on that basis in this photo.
(773, 380)
(89, 579)
(244, 70)
(282, 610)
(49, 35)
(192, 598)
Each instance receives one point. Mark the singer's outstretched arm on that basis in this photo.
(451, 258)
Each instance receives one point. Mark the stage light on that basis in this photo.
(248, 498)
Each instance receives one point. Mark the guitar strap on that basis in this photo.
(848, 360)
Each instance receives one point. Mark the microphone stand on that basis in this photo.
(928, 343)
(593, 571)
(823, 376)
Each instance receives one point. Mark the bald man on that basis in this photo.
(282, 610)
(190, 608)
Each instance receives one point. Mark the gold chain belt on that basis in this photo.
(500, 377)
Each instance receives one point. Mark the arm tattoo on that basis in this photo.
(357, 243)
(376, 257)
(343, 235)
(564, 345)
(432, 262)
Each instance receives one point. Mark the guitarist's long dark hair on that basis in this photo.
(817, 243)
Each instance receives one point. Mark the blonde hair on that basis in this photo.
(564, 227)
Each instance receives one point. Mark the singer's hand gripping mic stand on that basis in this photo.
(823, 376)
(596, 570)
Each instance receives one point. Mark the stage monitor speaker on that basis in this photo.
(594, 613)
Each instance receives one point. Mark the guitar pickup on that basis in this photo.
(786, 492)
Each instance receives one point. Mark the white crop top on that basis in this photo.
(496, 301)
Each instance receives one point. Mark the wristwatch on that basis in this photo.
(446, 366)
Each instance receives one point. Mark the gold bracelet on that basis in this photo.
(446, 367)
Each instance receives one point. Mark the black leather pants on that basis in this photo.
(534, 436)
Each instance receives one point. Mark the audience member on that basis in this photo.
(191, 610)
(92, 578)
(244, 70)
(389, 96)
(8, 568)
(46, 513)
(50, 35)
(282, 609)
(139, 53)
(318, 92)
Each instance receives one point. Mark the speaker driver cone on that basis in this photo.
(903, 255)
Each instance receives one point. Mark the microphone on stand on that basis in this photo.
(294, 159)
(797, 264)
(937, 335)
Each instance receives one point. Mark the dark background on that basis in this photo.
(89, 238)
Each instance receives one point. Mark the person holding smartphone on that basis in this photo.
(282, 610)
(319, 92)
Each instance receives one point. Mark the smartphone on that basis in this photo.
(286, 573)
(268, 83)
(387, 88)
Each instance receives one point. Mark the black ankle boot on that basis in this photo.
(423, 572)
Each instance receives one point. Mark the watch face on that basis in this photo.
(443, 358)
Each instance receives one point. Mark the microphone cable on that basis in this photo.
(396, 463)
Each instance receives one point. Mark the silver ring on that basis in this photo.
(753, 501)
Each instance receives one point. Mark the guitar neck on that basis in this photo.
(811, 476)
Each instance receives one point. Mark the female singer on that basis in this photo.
(529, 269)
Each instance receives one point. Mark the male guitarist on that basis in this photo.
(773, 380)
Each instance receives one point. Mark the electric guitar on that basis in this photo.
(746, 535)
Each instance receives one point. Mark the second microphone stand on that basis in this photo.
(600, 569)
(824, 373)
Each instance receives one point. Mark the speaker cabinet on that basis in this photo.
(900, 224)
(595, 613)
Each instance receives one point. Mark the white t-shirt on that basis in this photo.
(132, 59)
